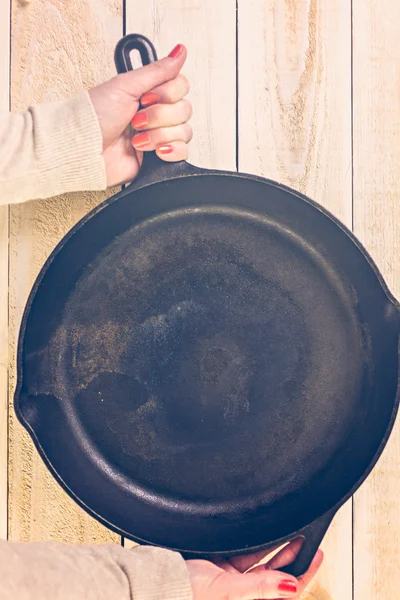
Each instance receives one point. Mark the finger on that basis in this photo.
(225, 566)
(268, 585)
(142, 80)
(244, 563)
(167, 93)
(287, 555)
(163, 115)
(173, 151)
(148, 140)
(313, 569)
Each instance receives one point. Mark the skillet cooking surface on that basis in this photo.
(207, 338)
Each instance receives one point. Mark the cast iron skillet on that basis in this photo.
(208, 361)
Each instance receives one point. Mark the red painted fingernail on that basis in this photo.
(149, 99)
(140, 120)
(176, 51)
(140, 140)
(287, 586)
(165, 149)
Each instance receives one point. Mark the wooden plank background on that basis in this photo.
(304, 92)
(376, 123)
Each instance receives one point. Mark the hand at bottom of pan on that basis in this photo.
(244, 578)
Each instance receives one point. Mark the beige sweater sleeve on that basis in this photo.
(49, 571)
(50, 149)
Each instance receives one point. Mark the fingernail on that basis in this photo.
(176, 51)
(140, 120)
(149, 99)
(140, 140)
(165, 149)
(288, 587)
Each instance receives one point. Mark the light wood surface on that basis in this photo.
(376, 110)
(208, 29)
(295, 127)
(4, 236)
(58, 48)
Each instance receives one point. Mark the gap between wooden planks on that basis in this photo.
(376, 117)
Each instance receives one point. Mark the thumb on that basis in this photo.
(263, 585)
(142, 80)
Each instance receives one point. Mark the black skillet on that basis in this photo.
(208, 361)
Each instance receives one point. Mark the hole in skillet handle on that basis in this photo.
(313, 535)
(153, 168)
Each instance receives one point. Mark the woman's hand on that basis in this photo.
(161, 124)
(240, 579)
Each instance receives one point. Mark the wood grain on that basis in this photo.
(208, 29)
(295, 127)
(376, 114)
(4, 106)
(58, 48)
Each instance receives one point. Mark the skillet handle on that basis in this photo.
(123, 50)
(313, 535)
(153, 168)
